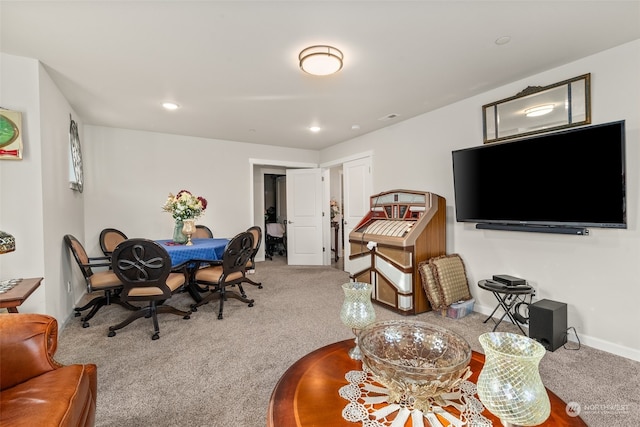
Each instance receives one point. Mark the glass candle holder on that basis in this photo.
(509, 384)
(357, 311)
(189, 228)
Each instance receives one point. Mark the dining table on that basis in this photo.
(191, 257)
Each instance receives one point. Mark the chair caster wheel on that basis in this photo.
(155, 336)
(259, 286)
(187, 317)
(250, 304)
(220, 317)
(111, 334)
(77, 314)
(194, 309)
(85, 324)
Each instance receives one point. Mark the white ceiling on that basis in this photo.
(232, 65)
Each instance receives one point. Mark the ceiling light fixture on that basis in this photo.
(170, 105)
(540, 110)
(314, 129)
(320, 60)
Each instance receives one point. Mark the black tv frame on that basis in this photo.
(579, 228)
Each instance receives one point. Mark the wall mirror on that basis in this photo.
(75, 158)
(539, 109)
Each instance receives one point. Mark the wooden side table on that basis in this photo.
(307, 394)
(19, 293)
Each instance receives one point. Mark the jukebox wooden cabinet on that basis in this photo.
(401, 229)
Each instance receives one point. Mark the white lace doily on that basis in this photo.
(368, 404)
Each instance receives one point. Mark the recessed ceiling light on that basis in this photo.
(170, 105)
(355, 127)
(502, 40)
(314, 129)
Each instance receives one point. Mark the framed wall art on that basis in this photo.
(10, 135)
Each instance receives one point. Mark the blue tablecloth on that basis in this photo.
(202, 249)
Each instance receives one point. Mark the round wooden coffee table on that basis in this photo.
(307, 394)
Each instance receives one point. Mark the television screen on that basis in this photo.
(574, 178)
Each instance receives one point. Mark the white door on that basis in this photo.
(304, 216)
(357, 194)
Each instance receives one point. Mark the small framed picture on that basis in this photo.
(10, 135)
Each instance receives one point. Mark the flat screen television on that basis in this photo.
(560, 182)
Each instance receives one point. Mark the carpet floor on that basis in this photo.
(209, 372)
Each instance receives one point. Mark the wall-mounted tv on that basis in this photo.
(560, 182)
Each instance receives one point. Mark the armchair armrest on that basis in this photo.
(27, 345)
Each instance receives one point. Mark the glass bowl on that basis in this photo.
(414, 359)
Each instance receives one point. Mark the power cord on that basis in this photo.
(520, 318)
(566, 339)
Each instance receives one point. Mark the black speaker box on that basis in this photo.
(548, 323)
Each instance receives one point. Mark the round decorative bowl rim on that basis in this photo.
(459, 366)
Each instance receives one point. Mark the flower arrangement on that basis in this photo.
(334, 208)
(185, 205)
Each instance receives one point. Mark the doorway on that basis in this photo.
(353, 188)
(336, 212)
(275, 218)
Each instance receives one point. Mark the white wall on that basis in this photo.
(37, 206)
(597, 276)
(20, 180)
(63, 208)
(129, 174)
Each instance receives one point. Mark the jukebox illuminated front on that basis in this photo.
(401, 229)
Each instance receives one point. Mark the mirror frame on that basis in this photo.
(526, 99)
(76, 174)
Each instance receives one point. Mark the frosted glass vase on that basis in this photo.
(357, 311)
(509, 384)
(178, 235)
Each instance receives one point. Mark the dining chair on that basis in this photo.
(105, 283)
(144, 268)
(231, 270)
(109, 239)
(256, 232)
(202, 232)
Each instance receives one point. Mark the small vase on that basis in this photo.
(357, 311)
(178, 235)
(509, 384)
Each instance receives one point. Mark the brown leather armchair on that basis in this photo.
(35, 390)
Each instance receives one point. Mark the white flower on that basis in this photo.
(185, 205)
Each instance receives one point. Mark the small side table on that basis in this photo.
(19, 293)
(507, 297)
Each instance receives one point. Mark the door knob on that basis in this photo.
(290, 222)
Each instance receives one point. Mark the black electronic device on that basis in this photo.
(509, 280)
(548, 323)
(559, 182)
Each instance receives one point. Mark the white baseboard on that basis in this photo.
(587, 340)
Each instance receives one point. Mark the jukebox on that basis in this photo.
(401, 229)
